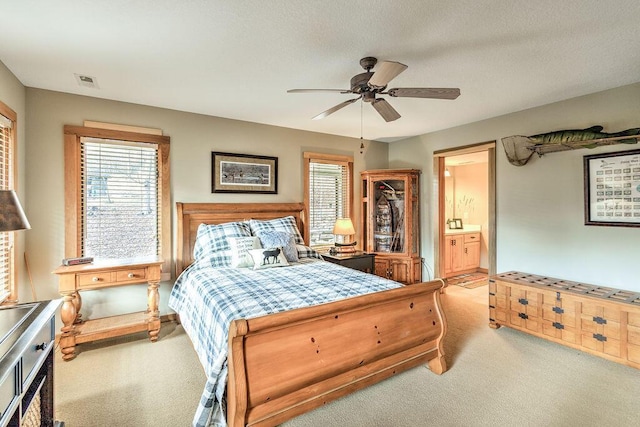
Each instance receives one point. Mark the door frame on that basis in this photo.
(439, 184)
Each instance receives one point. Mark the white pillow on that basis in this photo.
(240, 247)
(280, 239)
(268, 258)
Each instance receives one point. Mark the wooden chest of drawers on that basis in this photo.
(27, 334)
(596, 319)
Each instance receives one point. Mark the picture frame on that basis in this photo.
(243, 173)
(612, 189)
(455, 224)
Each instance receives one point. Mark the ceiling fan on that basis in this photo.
(371, 83)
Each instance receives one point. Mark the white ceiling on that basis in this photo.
(236, 59)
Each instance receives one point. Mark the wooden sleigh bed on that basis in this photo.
(285, 364)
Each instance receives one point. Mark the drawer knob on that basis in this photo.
(96, 279)
(41, 347)
(131, 275)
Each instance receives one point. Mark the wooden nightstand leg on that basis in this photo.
(68, 315)
(153, 321)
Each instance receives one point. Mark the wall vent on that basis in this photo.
(87, 81)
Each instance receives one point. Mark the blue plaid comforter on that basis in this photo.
(208, 298)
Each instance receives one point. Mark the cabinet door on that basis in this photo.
(500, 301)
(382, 268)
(401, 271)
(633, 337)
(448, 249)
(524, 308)
(389, 214)
(600, 327)
(471, 255)
(454, 254)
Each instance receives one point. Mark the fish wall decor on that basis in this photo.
(519, 149)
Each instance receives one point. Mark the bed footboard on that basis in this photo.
(286, 364)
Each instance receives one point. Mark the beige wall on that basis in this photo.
(540, 218)
(193, 137)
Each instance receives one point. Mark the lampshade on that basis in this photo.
(344, 227)
(446, 172)
(12, 216)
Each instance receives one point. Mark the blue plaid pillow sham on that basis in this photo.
(286, 224)
(211, 239)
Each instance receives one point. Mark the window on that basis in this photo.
(118, 184)
(8, 288)
(328, 195)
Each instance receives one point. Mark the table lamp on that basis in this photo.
(12, 218)
(344, 227)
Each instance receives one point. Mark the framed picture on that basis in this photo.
(612, 189)
(243, 173)
(455, 224)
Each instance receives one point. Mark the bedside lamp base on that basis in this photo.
(344, 248)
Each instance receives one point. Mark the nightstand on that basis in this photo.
(101, 275)
(357, 260)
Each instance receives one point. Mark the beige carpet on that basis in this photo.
(496, 377)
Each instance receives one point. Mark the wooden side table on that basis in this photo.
(357, 261)
(73, 279)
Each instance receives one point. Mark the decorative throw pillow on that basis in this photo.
(307, 252)
(268, 258)
(282, 239)
(240, 247)
(213, 238)
(286, 224)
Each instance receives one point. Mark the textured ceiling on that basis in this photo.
(236, 59)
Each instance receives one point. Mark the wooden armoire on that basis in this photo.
(390, 222)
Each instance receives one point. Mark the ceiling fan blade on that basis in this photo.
(426, 92)
(335, 108)
(318, 90)
(387, 71)
(385, 109)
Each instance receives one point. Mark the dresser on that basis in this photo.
(102, 275)
(595, 319)
(27, 333)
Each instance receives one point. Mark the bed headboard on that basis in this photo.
(191, 215)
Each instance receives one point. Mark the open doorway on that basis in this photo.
(466, 253)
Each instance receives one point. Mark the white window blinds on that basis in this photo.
(328, 199)
(6, 156)
(120, 199)
(6, 183)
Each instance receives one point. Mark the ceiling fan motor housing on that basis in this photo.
(359, 82)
